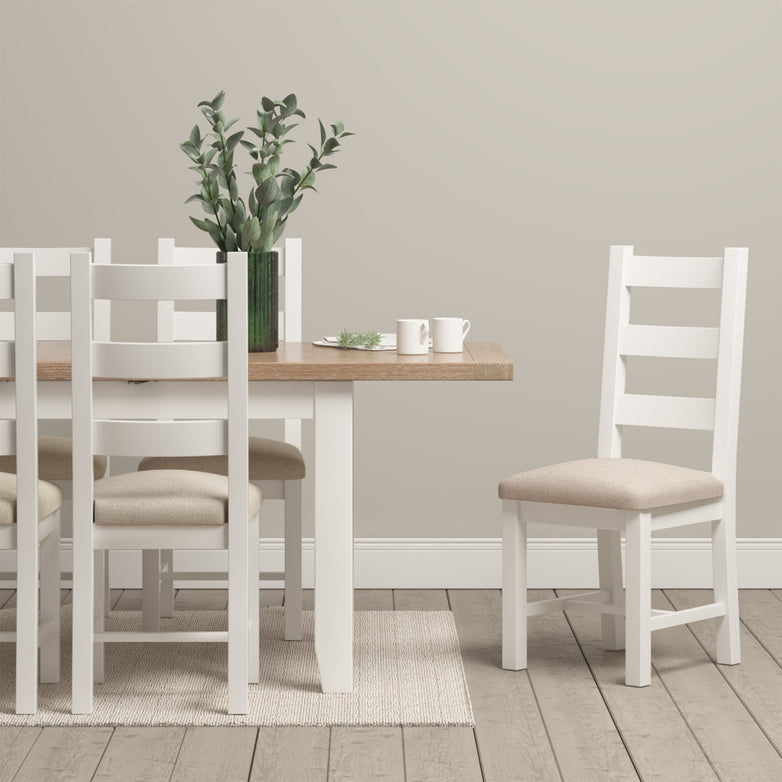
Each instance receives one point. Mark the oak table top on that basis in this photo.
(305, 361)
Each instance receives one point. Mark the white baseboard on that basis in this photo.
(474, 563)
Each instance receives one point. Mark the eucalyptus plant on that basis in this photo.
(257, 223)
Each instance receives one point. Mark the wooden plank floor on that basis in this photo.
(567, 717)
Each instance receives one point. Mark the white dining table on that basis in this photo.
(301, 381)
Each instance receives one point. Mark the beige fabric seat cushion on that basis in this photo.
(270, 460)
(54, 460)
(626, 484)
(49, 499)
(166, 498)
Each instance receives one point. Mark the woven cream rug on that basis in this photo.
(408, 671)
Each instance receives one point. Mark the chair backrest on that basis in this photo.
(55, 325)
(162, 361)
(174, 325)
(18, 360)
(722, 344)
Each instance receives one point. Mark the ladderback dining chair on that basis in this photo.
(54, 325)
(277, 467)
(636, 497)
(162, 509)
(29, 507)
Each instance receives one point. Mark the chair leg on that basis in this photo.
(50, 604)
(99, 614)
(638, 604)
(167, 587)
(293, 560)
(107, 585)
(150, 590)
(238, 611)
(609, 558)
(254, 566)
(514, 587)
(27, 618)
(723, 549)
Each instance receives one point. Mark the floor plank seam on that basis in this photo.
(27, 754)
(760, 642)
(102, 754)
(252, 756)
(328, 756)
(676, 705)
(600, 691)
(478, 753)
(178, 753)
(543, 723)
(404, 756)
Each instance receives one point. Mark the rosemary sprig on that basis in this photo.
(358, 339)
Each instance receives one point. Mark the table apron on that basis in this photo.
(168, 399)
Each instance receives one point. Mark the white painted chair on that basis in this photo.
(55, 452)
(162, 509)
(29, 508)
(636, 497)
(277, 467)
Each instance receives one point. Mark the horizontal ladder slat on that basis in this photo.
(145, 282)
(160, 360)
(7, 437)
(669, 341)
(667, 412)
(7, 359)
(50, 326)
(648, 271)
(6, 280)
(202, 575)
(183, 636)
(160, 438)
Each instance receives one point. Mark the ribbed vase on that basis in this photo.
(262, 302)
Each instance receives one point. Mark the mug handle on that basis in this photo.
(424, 333)
(465, 328)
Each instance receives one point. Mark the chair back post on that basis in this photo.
(729, 359)
(614, 364)
(81, 402)
(27, 554)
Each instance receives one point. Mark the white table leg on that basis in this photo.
(334, 534)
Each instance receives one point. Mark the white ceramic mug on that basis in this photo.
(448, 334)
(412, 336)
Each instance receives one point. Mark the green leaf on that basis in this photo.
(218, 99)
(267, 103)
(308, 181)
(194, 197)
(212, 229)
(257, 132)
(278, 231)
(274, 164)
(248, 145)
(322, 133)
(231, 244)
(233, 188)
(267, 192)
(252, 204)
(326, 166)
(296, 202)
(266, 237)
(255, 231)
(233, 140)
(195, 135)
(209, 156)
(337, 127)
(290, 102)
(231, 123)
(331, 143)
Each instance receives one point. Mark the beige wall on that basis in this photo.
(501, 148)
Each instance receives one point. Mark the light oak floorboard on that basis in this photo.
(208, 754)
(421, 600)
(736, 747)
(366, 754)
(511, 736)
(15, 744)
(585, 739)
(656, 736)
(65, 755)
(140, 754)
(757, 680)
(129, 600)
(441, 755)
(761, 612)
(271, 597)
(373, 600)
(201, 600)
(291, 755)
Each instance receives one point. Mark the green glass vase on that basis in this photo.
(262, 303)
